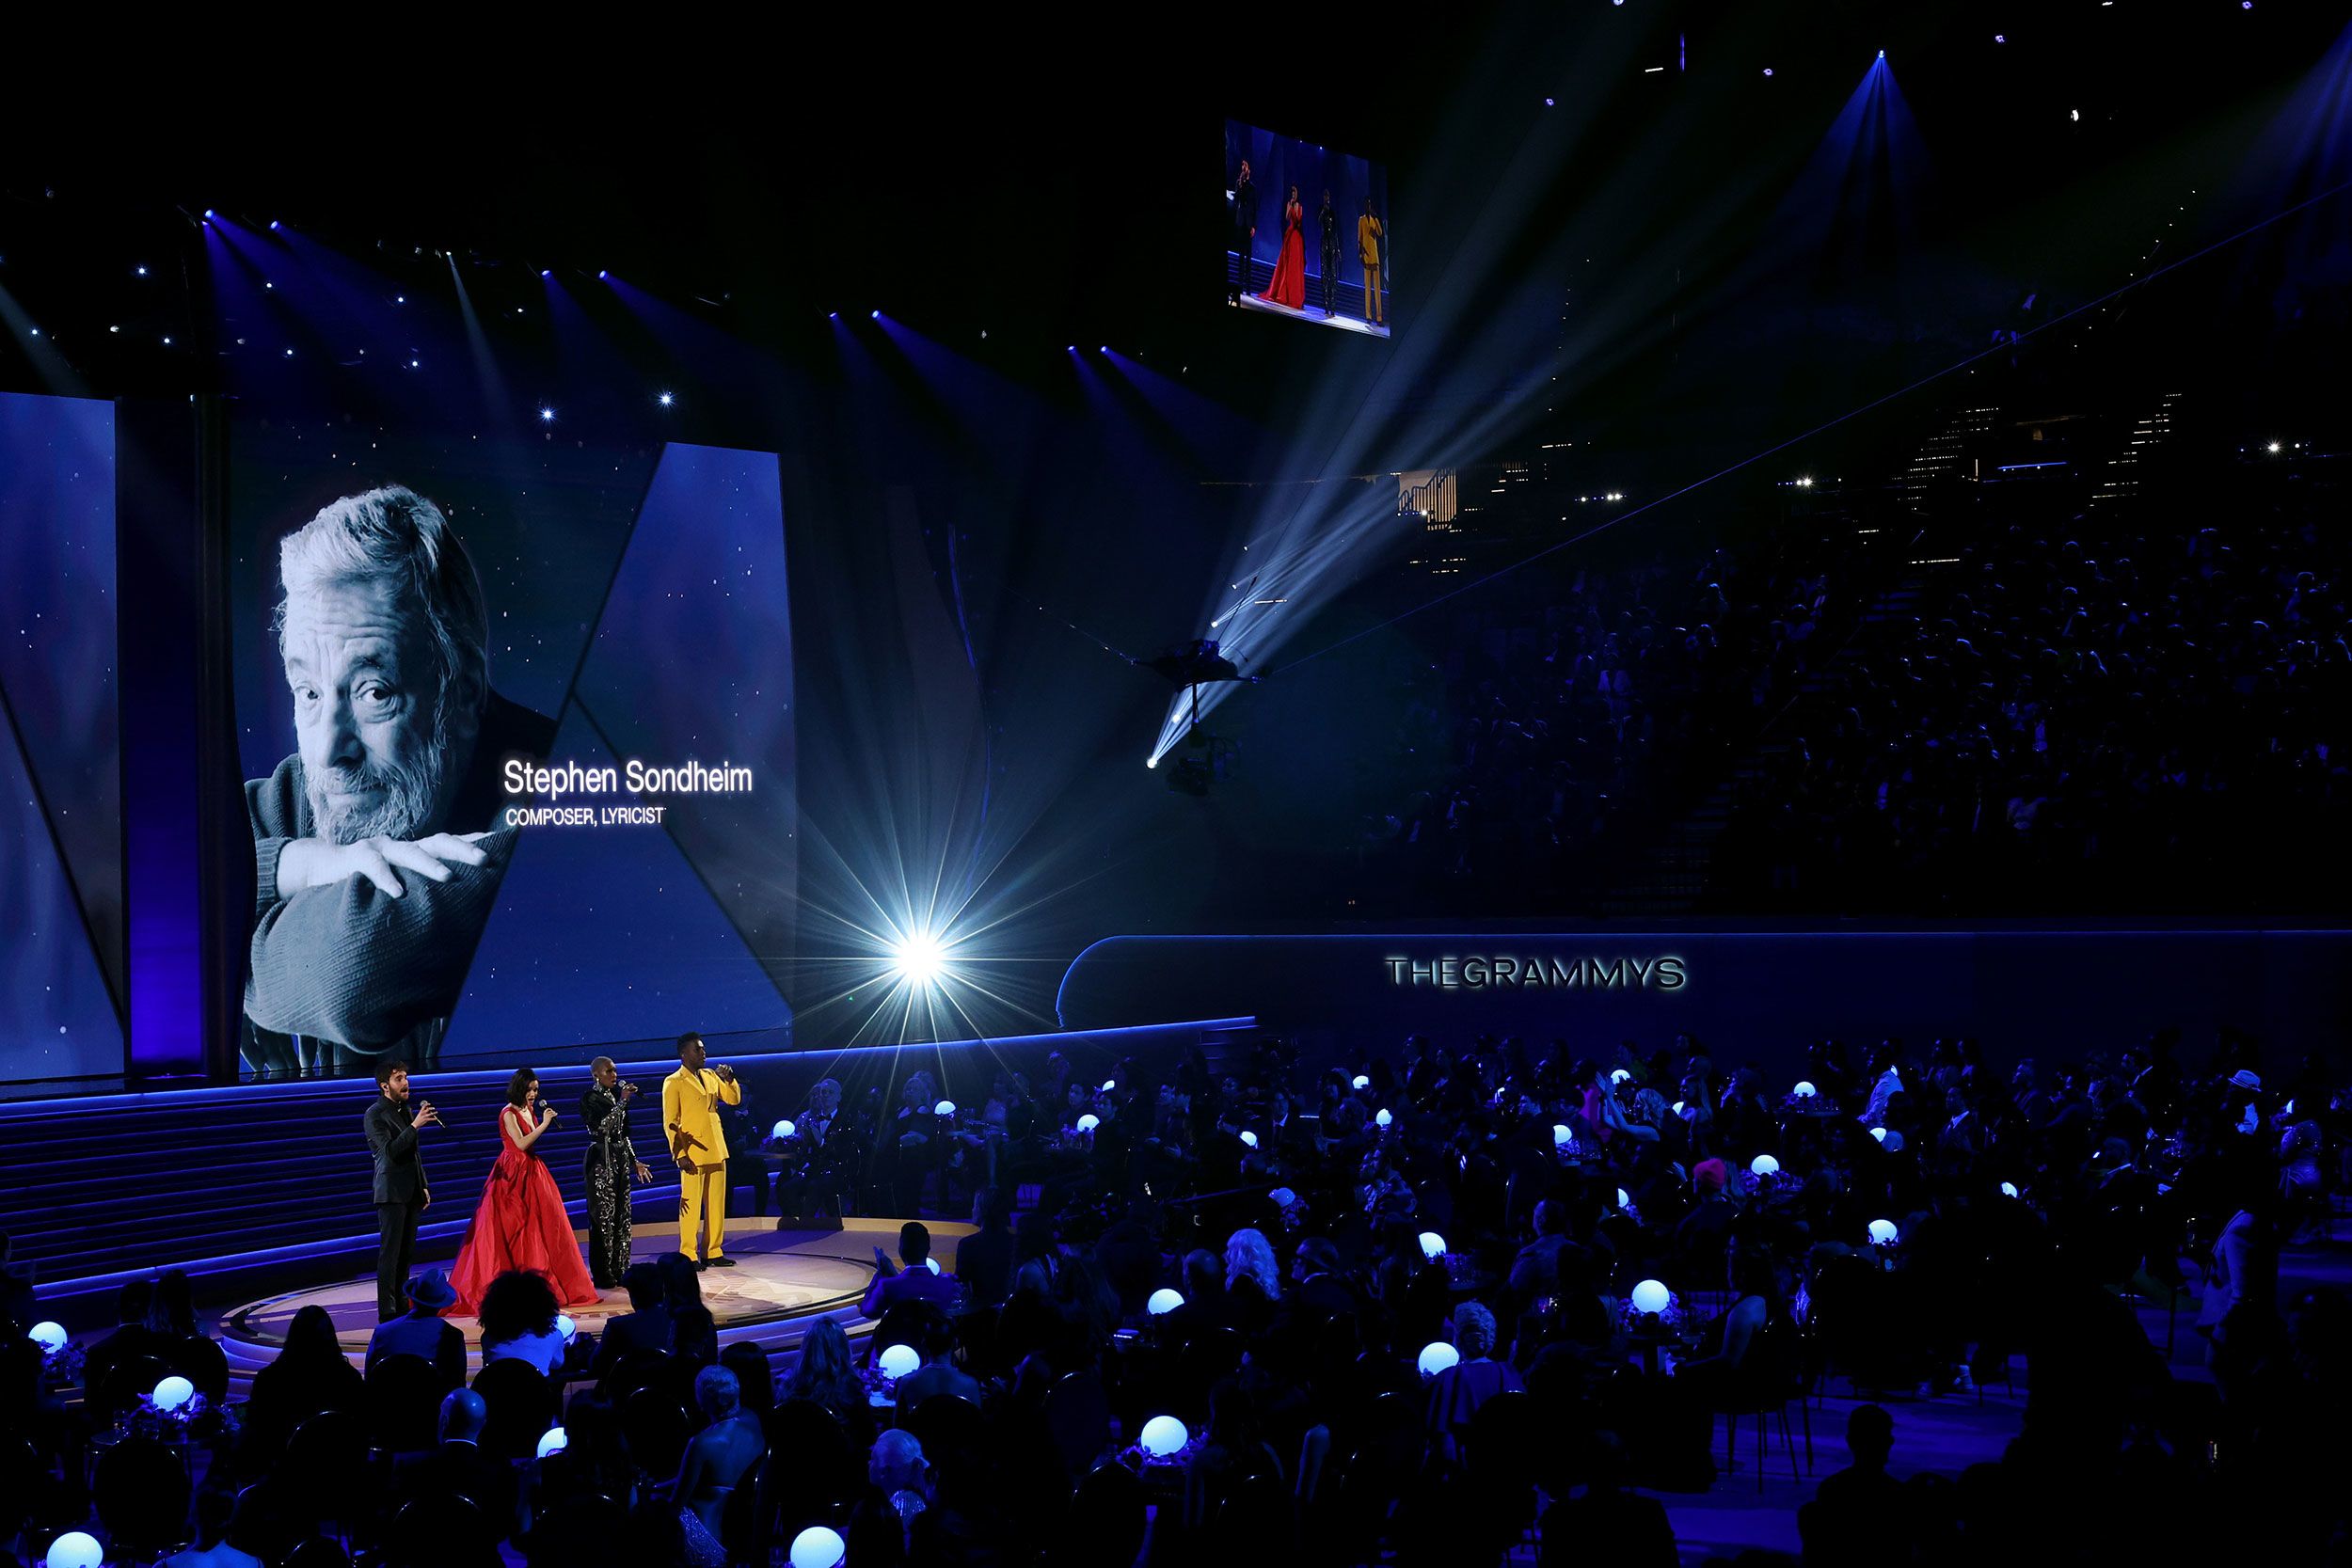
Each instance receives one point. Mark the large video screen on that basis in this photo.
(1307, 232)
(516, 719)
(62, 934)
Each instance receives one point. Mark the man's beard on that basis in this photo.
(401, 806)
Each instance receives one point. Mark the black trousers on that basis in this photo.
(396, 1249)
(1332, 281)
(1241, 265)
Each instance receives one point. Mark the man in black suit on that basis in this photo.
(458, 1464)
(401, 1190)
(1245, 230)
(1329, 218)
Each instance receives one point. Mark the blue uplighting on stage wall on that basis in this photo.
(634, 599)
(62, 937)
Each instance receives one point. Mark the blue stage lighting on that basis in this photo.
(545, 273)
(1768, 71)
(412, 364)
(1071, 347)
(1104, 349)
(874, 315)
(667, 399)
(601, 273)
(832, 315)
(141, 270)
(275, 226)
(1546, 103)
(547, 416)
(208, 215)
(290, 354)
(400, 299)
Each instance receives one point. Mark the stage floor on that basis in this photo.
(1315, 313)
(782, 1281)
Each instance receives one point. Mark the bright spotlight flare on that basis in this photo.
(919, 959)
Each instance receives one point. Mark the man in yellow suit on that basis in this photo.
(691, 1097)
(1368, 236)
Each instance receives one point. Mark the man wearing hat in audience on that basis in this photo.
(422, 1332)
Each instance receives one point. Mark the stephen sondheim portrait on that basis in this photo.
(376, 859)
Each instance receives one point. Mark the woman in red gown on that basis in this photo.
(521, 1222)
(1289, 283)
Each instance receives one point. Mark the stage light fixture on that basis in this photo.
(875, 315)
(547, 416)
(601, 273)
(167, 342)
(208, 215)
(141, 270)
(832, 315)
(1548, 103)
(545, 272)
(917, 959)
(275, 226)
(1768, 71)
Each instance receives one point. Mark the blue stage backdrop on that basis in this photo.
(631, 790)
(1360, 295)
(62, 935)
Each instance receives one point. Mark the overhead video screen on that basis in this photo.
(1307, 232)
(516, 720)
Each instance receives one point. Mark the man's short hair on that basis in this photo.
(385, 1068)
(397, 536)
(914, 1241)
(689, 1037)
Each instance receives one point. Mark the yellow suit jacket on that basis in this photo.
(690, 1111)
(1368, 239)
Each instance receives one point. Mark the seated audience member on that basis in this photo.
(1608, 1523)
(693, 1333)
(131, 1338)
(826, 1375)
(935, 1340)
(214, 1510)
(422, 1331)
(984, 1260)
(646, 1326)
(309, 1375)
(1858, 1515)
(898, 1492)
(717, 1459)
(1455, 1393)
(459, 1464)
(518, 1313)
(173, 1335)
(916, 1281)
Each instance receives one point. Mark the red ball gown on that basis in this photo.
(521, 1225)
(1289, 283)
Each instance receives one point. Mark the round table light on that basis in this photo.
(48, 1336)
(1623, 1201)
(1163, 1300)
(945, 1108)
(931, 1263)
(1164, 1436)
(1359, 1082)
(1436, 1356)
(2009, 1189)
(1882, 1232)
(897, 1361)
(173, 1392)
(1109, 1084)
(1651, 1297)
(75, 1549)
(564, 1327)
(1764, 1164)
(1249, 1137)
(1281, 1197)
(1805, 1090)
(1620, 1075)
(1678, 1108)
(1561, 1136)
(818, 1547)
(1381, 1117)
(782, 1128)
(552, 1441)
(1432, 1244)
(1878, 1132)
(1089, 1122)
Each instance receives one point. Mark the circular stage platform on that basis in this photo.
(782, 1281)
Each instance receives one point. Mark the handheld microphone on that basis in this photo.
(625, 1085)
